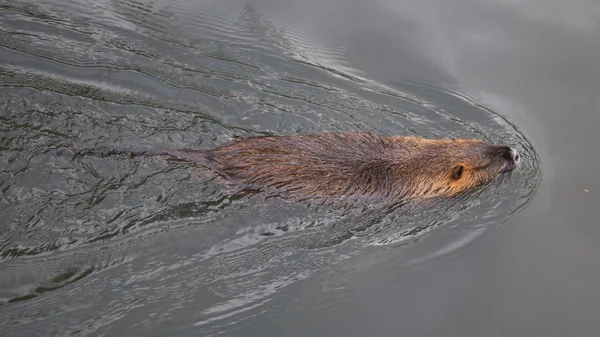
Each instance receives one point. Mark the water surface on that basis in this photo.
(110, 246)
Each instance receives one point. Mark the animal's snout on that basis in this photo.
(515, 155)
(507, 153)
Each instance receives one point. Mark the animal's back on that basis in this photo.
(323, 164)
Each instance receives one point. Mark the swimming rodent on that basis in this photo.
(353, 164)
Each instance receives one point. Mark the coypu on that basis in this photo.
(352, 164)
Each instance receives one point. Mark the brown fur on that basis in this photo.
(360, 165)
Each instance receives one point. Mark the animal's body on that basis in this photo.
(353, 164)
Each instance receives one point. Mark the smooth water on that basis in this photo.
(144, 246)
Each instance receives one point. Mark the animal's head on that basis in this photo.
(449, 167)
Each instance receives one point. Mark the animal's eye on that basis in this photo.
(458, 172)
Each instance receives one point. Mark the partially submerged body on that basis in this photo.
(361, 164)
(352, 164)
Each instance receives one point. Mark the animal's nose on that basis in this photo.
(515, 155)
(509, 154)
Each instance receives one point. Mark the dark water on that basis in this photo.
(142, 246)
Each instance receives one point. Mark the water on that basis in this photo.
(111, 246)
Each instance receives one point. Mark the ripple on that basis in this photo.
(86, 244)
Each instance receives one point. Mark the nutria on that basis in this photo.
(355, 164)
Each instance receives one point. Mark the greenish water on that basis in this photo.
(143, 246)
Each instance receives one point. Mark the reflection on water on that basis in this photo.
(147, 245)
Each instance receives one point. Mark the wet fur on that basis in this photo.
(342, 165)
